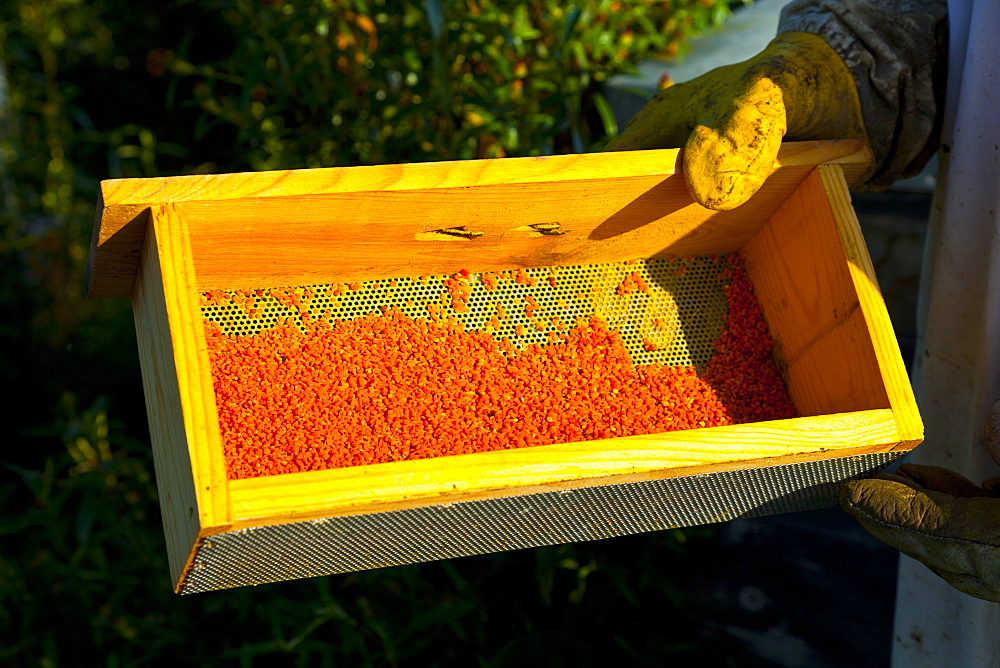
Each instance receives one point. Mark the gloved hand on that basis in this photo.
(938, 517)
(731, 121)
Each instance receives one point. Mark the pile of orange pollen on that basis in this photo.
(387, 387)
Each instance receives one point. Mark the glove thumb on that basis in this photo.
(957, 538)
(727, 162)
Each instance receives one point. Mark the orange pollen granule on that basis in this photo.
(387, 387)
(633, 282)
(524, 278)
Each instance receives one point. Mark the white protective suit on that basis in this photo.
(891, 46)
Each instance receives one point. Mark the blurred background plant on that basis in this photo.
(109, 89)
(432, 80)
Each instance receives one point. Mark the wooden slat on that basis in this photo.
(349, 238)
(894, 375)
(180, 400)
(613, 204)
(363, 489)
(802, 278)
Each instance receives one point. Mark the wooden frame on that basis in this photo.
(162, 241)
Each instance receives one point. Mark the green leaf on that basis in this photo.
(607, 114)
(522, 27)
(571, 19)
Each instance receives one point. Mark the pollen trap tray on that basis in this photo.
(563, 235)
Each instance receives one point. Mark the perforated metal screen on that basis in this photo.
(677, 305)
(343, 544)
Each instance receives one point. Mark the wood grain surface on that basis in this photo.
(391, 486)
(802, 278)
(180, 399)
(357, 223)
(895, 377)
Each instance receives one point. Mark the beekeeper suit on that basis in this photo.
(913, 77)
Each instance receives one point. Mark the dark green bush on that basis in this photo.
(339, 82)
(103, 88)
(83, 581)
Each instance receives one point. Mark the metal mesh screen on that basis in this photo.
(679, 305)
(342, 544)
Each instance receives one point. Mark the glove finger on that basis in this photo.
(941, 480)
(890, 503)
(959, 539)
(728, 158)
(973, 585)
(896, 478)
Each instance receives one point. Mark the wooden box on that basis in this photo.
(163, 241)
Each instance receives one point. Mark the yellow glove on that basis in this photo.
(939, 518)
(731, 121)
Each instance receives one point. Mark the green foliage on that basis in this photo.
(339, 82)
(103, 88)
(83, 581)
(52, 338)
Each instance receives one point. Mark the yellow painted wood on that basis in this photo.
(282, 228)
(894, 375)
(391, 486)
(180, 399)
(802, 278)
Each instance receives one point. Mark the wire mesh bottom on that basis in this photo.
(333, 545)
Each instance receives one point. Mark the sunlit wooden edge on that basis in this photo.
(398, 485)
(450, 174)
(180, 400)
(894, 374)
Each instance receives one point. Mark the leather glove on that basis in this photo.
(938, 517)
(731, 121)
